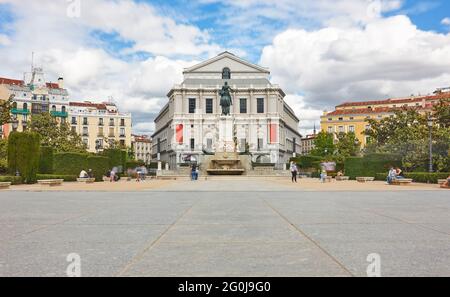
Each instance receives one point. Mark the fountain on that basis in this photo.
(225, 164)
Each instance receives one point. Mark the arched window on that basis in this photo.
(14, 105)
(63, 109)
(25, 106)
(54, 108)
(226, 73)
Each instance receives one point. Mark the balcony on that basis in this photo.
(59, 114)
(20, 111)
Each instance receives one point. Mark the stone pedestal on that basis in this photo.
(226, 135)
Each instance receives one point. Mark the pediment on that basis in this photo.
(218, 63)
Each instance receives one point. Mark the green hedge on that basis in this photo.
(24, 155)
(307, 162)
(46, 160)
(67, 178)
(426, 177)
(370, 165)
(14, 180)
(117, 157)
(134, 164)
(69, 163)
(99, 166)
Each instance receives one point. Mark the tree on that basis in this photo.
(407, 134)
(3, 156)
(324, 145)
(5, 110)
(57, 135)
(348, 145)
(23, 155)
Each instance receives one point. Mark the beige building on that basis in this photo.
(142, 148)
(100, 124)
(188, 127)
(354, 116)
(308, 144)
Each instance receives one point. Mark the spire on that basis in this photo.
(315, 131)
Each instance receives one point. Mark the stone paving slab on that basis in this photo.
(226, 230)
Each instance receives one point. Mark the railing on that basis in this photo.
(20, 111)
(59, 114)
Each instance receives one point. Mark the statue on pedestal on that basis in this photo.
(225, 99)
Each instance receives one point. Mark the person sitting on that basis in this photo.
(84, 174)
(391, 176)
(90, 173)
(398, 173)
(340, 174)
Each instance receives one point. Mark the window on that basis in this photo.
(122, 122)
(192, 144)
(260, 144)
(209, 143)
(351, 129)
(85, 121)
(341, 129)
(330, 119)
(330, 129)
(158, 146)
(243, 105)
(25, 106)
(226, 73)
(53, 108)
(341, 119)
(100, 121)
(209, 106)
(192, 104)
(111, 132)
(63, 109)
(111, 122)
(260, 105)
(122, 132)
(85, 131)
(243, 144)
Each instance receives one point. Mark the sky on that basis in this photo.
(321, 52)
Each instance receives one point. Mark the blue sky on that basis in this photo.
(321, 52)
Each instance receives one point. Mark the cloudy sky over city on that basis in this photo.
(321, 52)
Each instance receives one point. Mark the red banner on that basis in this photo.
(179, 134)
(273, 131)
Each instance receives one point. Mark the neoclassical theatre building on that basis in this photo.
(187, 128)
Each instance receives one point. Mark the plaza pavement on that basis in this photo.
(225, 228)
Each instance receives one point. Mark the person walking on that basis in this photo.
(294, 172)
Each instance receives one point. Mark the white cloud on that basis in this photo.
(387, 57)
(66, 47)
(446, 21)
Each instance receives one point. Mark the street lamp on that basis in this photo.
(430, 128)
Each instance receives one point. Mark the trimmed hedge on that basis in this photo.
(69, 163)
(134, 164)
(67, 178)
(99, 166)
(46, 160)
(370, 165)
(307, 162)
(14, 180)
(426, 177)
(117, 157)
(24, 155)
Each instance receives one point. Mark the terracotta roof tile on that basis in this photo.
(8, 81)
(89, 104)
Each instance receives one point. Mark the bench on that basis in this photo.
(5, 185)
(51, 182)
(365, 179)
(402, 182)
(441, 181)
(86, 180)
(342, 178)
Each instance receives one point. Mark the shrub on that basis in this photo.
(69, 163)
(370, 165)
(426, 177)
(99, 166)
(46, 160)
(14, 180)
(307, 162)
(134, 164)
(117, 157)
(24, 155)
(67, 178)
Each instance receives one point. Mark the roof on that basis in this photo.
(52, 85)
(398, 100)
(261, 82)
(89, 104)
(375, 110)
(8, 81)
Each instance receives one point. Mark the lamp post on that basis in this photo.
(430, 128)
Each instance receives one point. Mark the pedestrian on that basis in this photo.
(294, 171)
(112, 177)
(194, 172)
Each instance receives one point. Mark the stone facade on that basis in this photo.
(187, 128)
(142, 148)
